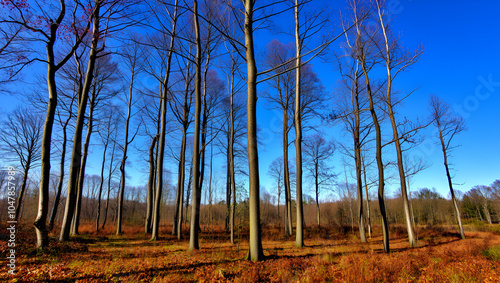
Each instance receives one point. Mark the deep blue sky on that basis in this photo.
(461, 41)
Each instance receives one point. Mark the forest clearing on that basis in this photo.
(331, 254)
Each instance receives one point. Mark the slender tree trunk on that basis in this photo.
(151, 179)
(81, 176)
(450, 184)
(61, 176)
(42, 233)
(109, 184)
(357, 158)
(161, 146)
(368, 211)
(228, 184)
(210, 208)
(188, 192)
(286, 181)
(388, 63)
(125, 149)
(77, 141)
(231, 156)
(255, 252)
(316, 186)
(299, 239)
(410, 204)
(380, 164)
(23, 186)
(195, 210)
(182, 170)
(101, 185)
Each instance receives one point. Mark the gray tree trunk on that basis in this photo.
(299, 239)
(77, 141)
(195, 210)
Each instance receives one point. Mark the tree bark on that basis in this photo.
(380, 164)
(151, 179)
(125, 146)
(101, 185)
(61, 176)
(81, 176)
(23, 187)
(77, 141)
(195, 209)
(357, 159)
(450, 184)
(109, 184)
(299, 239)
(161, 143)
(255, 252)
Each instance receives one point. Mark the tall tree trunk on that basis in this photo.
(231, 154)
(109, 184)
(188, 192)
(182, 159)
(357, 159)
(81, 176)
(316, 186)
(42, 233)
(255, 252)
(228, 182)
(286, 176)
(125, 149)
(380, 164)
(61, 176)
(77, 141)
(195, 210)
(101, 185)
(151, 179)
(388, 63)
(299, 239)
(163, 125)
(450, 184)
(368, 211)
(23, 186)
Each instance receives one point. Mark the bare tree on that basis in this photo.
(364, 54)
(396, 60)
(277, 55)
(56, 20)
(448, 127)
(195, 209)
(21, 137)
(181, 108)
(132, 57)
(108, 127)
(317, 150)
(84, 85)
(173, 16)
(102, 89)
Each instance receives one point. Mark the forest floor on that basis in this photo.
(331, 255)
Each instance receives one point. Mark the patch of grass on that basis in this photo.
(492, 252)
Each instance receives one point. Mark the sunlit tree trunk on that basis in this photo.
(299, 240)
(151, 180)
(77, 141)
(195, 209)
(255, 252)
(81, 176)
(61, 176)
(163, 127)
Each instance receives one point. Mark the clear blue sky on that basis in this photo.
(461, 41)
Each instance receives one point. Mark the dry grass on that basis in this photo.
(332, 254)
